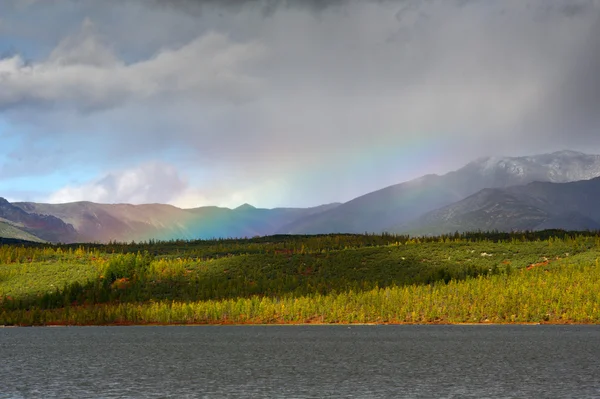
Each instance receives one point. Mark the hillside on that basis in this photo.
(419, 206)
(385, 209)
(9, 231)
(44, 226)
(544, 277)
(125, 222)
(535, 206)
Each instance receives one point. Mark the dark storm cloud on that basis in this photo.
(569, 114)
(269, 93)
(267, 7)
(581, 88)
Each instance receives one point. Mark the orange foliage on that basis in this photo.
(121, 283)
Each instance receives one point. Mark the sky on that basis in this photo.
(283, 103)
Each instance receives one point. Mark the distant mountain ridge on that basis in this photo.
(93, 222)
(42, 226)
(534, 206)
(485, 194)
(11, 231)
(393, 206)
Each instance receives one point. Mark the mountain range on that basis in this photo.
(557, 190)
(535, 206)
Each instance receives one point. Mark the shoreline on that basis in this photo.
(127, 324)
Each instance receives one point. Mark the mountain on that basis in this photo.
(393, 206)
(104, 222)
(535, 206)
(42, 226)
(10, 231)
(480, 195)
(93, 222)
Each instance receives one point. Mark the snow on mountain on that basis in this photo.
(389, 208)
(557, 167)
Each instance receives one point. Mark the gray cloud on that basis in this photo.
(568, 114)
(83, 73)
(581, 83)
(255, 92)
(266, 7)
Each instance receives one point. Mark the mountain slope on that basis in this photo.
(8, 230)
(124, 222)
(104, 222)
(385, 209)
(395, 208)
(535, 206)
(43, 226)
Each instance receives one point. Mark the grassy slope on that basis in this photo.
(391, 283)
(7, 230)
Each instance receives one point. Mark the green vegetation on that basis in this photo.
(550, 276)
(12, 231)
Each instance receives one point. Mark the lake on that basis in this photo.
(301, 362)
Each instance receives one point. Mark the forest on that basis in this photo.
(531, 277)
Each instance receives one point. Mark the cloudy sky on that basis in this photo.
(283, 103)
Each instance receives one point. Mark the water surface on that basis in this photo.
(301, 362)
